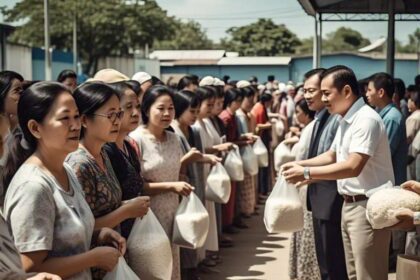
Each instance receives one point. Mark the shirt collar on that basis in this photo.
(349, 116)
(320, 114)
(386, 109)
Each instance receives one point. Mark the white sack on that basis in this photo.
(283, 208)
(234, 166)
(149, 249)
(262, 153)
(250, 160)
(121, 271)
(191, 224)
(282, 155)
(218, 186)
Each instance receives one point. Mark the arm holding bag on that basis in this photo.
(149, 249)
(234, 165)
(250, 160)
(283, 209)
(191, 224)
(262, 153)
(218, 186)
(121, 271)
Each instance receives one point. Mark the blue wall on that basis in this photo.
(60, 61)
(362, 66)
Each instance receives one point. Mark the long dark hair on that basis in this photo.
(90, 97)
(150, 97)
(232, 95)
(6, 79)
(34, 104)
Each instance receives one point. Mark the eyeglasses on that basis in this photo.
(112, 116)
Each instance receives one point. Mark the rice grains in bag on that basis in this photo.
(191, 224)
(250, 160)
(234, 165)
(121, 271)
(149, 249)
(218, 186)
(283, 208)
(262, 153)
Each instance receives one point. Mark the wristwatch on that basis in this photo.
(416, 218)
(306, 173)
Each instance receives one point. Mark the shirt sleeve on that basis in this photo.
(365, 137)
(31, 214)
(394, 135)
(333, 146)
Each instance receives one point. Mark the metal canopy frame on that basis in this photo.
(360, 10)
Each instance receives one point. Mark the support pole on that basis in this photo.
(75, 42)
(48, 75)
(317, 45)
(390, 52)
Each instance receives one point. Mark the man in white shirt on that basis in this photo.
(360, 160)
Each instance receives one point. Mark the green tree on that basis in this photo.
(306, 46)
(261, 38)
(344, 39)
(112, 27)
(187, 36)
(413, 45)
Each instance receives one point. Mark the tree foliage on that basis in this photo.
(344, 39)
(112, 27)
(261, 38)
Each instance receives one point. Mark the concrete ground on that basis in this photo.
(257, 255)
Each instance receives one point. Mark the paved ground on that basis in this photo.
(257, 255)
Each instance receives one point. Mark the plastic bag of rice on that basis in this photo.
(191, 224)
(283, 208)
(149, 249)
(218, 186)
(234, 165)
(262, 153)
(384, 204)
(282, 155)
(250, 160)
(121, 271)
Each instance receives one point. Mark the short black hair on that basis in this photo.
(68, 73)
(253, 79)
(183, 100)
(411, 88)
(156, 81)
(385, 81)
(342, 76)
(270, 78)
(249, 91)
(206, 92)
(150, 97)
(265, 97)
(121, 87)
(417, 80)
(135, 86)
(415, 96)
(313, 72)
(186, 81)
(232, 95)
(304, 106)
(399, 88)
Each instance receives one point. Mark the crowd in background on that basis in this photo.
(81, 162)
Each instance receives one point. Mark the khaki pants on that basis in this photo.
(366, 250)
(408, 268)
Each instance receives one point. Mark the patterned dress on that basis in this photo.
(161, 162)
(102, 190)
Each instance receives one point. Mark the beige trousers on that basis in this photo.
(366, 249)
(408, 267)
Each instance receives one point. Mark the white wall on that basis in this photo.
(123, 64)
(19, 59)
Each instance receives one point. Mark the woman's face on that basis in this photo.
(71, 83)
(218, 106)
(206, 108)
(162, 112)
(189, 117)
(301, 117)
(131, 107)
(60, 130)
(235, 105)
(247, 103)
(12, 97)
(104, 124)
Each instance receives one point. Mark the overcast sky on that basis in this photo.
(216, 16)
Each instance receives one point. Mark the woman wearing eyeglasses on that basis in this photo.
(99, 108)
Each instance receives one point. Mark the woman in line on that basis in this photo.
(187, 107)
(162, 160)
(303, 264)
(99, 108)
(44, 206)
(247, 191)
(125, 158)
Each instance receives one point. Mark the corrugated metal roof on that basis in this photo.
(188, 55)
(255, 60)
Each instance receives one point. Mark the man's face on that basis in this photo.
(313, 94)
(334, 100)
(372, 95)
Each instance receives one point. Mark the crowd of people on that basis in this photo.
(80, 163)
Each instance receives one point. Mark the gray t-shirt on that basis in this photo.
(42, 216)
